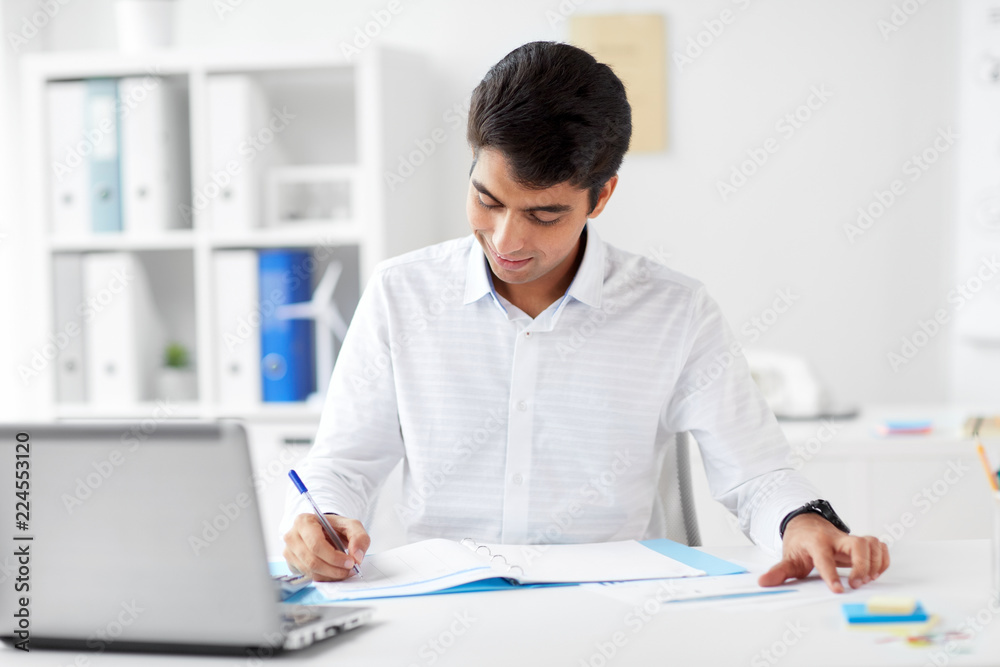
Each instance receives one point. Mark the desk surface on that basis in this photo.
(574, 625)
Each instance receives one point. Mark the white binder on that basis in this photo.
(68, 150)
(237, 110)
(237, 311)
(155, 161)
(67, 270)
(123, 336)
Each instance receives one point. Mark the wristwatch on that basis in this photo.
(820, 507)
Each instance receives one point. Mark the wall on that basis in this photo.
(889, 95)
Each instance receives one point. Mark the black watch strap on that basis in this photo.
(821, 507)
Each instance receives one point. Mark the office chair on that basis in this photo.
(675, 494)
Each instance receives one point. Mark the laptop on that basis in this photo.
(142, 536)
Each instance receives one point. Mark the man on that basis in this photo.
(530, 375)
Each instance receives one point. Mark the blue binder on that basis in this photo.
(288, 367)
(102, 133)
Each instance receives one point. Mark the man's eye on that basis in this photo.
(485, 205)
(545, 222)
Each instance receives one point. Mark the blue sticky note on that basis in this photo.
(858, 613)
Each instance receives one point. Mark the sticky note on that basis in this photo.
(858, 613)
(888, 604)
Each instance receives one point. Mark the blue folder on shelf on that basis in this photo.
(102, 132)
(288, 368)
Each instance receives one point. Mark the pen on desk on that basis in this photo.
(990, 475)
(330, 532)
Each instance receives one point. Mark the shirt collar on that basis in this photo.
(586, 287)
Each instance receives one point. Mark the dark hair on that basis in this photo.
(556, 114)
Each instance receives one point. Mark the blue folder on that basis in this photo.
(709, 564)
(102, 135)
(288, 367)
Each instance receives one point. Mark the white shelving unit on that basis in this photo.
(364, 114)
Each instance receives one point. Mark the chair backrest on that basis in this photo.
(675, 495)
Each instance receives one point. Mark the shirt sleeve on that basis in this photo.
(358, 441)
(746, 455)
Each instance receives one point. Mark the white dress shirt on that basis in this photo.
(544, 430)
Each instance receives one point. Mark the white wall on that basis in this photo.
(783, 230)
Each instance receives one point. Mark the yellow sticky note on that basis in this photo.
(887, 604)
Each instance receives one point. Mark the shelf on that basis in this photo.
(290, 236)
(88, 64)
(153, 410)
(181, 239)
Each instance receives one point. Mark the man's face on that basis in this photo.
(525, 233)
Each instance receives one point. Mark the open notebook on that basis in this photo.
(434, 565)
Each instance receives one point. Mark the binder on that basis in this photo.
(237, 110)
(238, 312)
(67, 270)
(69, 192)
(155, 171)
(102, 132)
(123, 337)
(288, 367)
(444, 566)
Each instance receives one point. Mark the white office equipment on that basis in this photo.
(70, 169)
(237, 111)
(67, 275)
(237, 311)
(154, 160)
(123, 338)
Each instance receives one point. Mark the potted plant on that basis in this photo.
(177, 380)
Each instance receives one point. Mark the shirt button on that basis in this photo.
(527, 334)
(517, 479)
(522, 406)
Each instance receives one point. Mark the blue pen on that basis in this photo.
(330, 532)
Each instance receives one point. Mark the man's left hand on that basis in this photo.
(812, 541)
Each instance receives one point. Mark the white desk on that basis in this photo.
(568, 625)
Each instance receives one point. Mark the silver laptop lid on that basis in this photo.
(137, 536)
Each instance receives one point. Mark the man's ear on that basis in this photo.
(604, 196)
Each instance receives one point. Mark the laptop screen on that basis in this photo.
(137, 532)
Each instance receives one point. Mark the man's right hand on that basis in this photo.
(308, 550)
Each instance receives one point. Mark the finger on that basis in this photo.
(828, 570)
(300, 557)
(777, 575)
(317, 542)
(355, 537)
(884, 549)
(876, 555)
(861, 562)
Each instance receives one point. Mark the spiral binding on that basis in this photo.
(483, 550)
